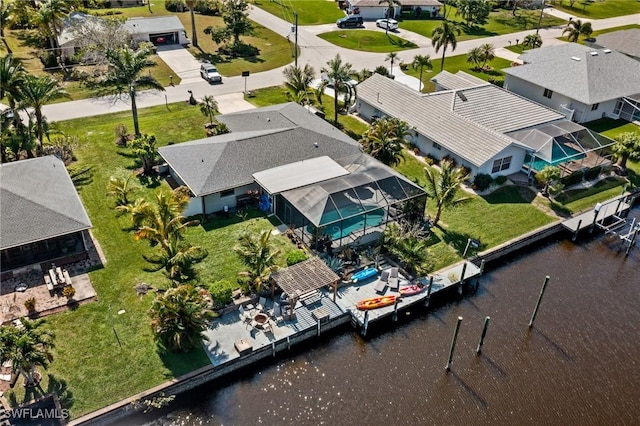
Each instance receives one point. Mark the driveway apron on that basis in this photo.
(181, 61)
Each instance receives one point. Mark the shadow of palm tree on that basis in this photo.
(510, 194)
(60, 388)
(458, 240)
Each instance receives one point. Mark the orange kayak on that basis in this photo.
(376, 302)
(411, 289)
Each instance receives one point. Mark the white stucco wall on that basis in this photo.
(215, 202)
(517, 158)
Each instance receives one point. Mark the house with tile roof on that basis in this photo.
(582, 82)
(481, 126)
(307, 172)
(43, 219)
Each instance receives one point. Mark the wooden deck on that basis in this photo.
(609, 209)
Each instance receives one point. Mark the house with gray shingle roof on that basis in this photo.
(307, 172)
(624, 41)
(481, 126)
(43, 219)
(582, 82)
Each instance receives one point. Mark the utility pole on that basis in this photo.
(296, 39)
(540, 19)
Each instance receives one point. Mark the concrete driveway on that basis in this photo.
(181, 61)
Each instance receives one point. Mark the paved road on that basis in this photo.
(315, 52)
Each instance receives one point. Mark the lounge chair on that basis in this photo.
(47, 280)
(381, 283)
(262, 303)
(245, 316)
(393, 279)
(277, 313)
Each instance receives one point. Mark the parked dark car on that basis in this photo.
(354, 21)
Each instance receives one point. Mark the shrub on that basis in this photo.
(498, 81)
(482, 181)
(175, 6)
(593, 173)
(296, 256)
(221, 292)
(208, 7)
(122, 134)
(30, 304)
(48, 59)
(450, 159)
(430, 159)
(573, 178)
(68, 292)
(500, 179)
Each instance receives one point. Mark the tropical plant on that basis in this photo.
(209, 107)
(179, 317)
(191, 4)
(178, 260)
(121, 188)
(36, 92)
(237, 23)
(68, 292)
(296, 256)
(421, 62)
(258, 255)
(26, 348)
(473, 11)
(474, 56)
(442, 185)
(297, 82)
(627, 147)
(339, 74)
(362, 75)
(12, 75)
(390, 8)
(144, 147)
(576, 28)
(49, 16)
(138, 210)
(532, 41)
(384, 138)
(488, 54)
(546, 176)
(391, 57)
(6, 16)
(444, 36)
(124, 76)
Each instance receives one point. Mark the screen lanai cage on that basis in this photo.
(567, 145)
(342, 210)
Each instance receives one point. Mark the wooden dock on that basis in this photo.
(607, 210)
(349, 296)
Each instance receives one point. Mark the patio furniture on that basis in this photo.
(381, 283)
(393, 279)
(320, 314)
(261, 320)
(244, 316)
(59, 275)
(243, 346)
(47, 281)
(262, 302)
(67, 278)
(277, 313)
(52, 275)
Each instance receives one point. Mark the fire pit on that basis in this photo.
(261, 319)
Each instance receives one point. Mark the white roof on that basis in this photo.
(299, 174)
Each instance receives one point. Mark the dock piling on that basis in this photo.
(453, 344)
(365, 323)
(484, 333)
(535, 311)
(318, 325)
(428, 299)
(394, 317)
(596, 210)
(273, 348)
(288, 343)
(632, 241)
(575, 234)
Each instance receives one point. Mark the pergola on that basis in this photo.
(303, 278)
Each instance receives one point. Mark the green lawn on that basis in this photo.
(595, 34)
(454, 64)
(89, 367)
(500, 22)
(611, 128)
(599, 9)
(577, 200)
(367, 40)
(310, 12)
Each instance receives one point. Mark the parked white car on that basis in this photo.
(389, 24)
(210, 73)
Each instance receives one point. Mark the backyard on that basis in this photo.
(87, 355)
(499, 22)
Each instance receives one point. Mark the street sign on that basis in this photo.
(245, 73)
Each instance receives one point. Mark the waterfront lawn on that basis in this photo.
(576, 200)
(310, 12)
(610, 127)
(453, 64)
(367, 41)
(89, 366)
(500, 22)
(600, 9)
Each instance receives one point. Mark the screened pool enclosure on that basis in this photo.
(359, 200)
(564, 144)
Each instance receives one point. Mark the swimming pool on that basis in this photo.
(374, 216)
(559, 155)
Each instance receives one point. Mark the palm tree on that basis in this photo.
(577, 28)
(546, 176)
(392, 58)
(258, 255)
(209, 107)
(422, 62)
(191, 4)
(442, 185)
(339, 73)
(383, 140)
(532, 41)
(445, 36)
(125, 75)
(6, 9)
(297, 81)
(27, 348)
(50, 16)
(179, 317)
(12, 75)
(474, 56)
(121, 188)
(139, 211)
(390, 9)
(35, 93)
(627, 147)
(488, 53)
(178, 261)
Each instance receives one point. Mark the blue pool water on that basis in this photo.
(558, 155)
(351, 224)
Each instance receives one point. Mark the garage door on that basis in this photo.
(164, 38)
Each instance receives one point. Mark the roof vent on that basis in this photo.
(607, 50)
(315, 144)
(461, 96)
(575, 58)
(593, 53)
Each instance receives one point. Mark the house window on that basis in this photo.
(594, 107)
(501, 164)
(227, 193)
(548, 93)
(437, 146)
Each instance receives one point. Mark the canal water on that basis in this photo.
(579, 364)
